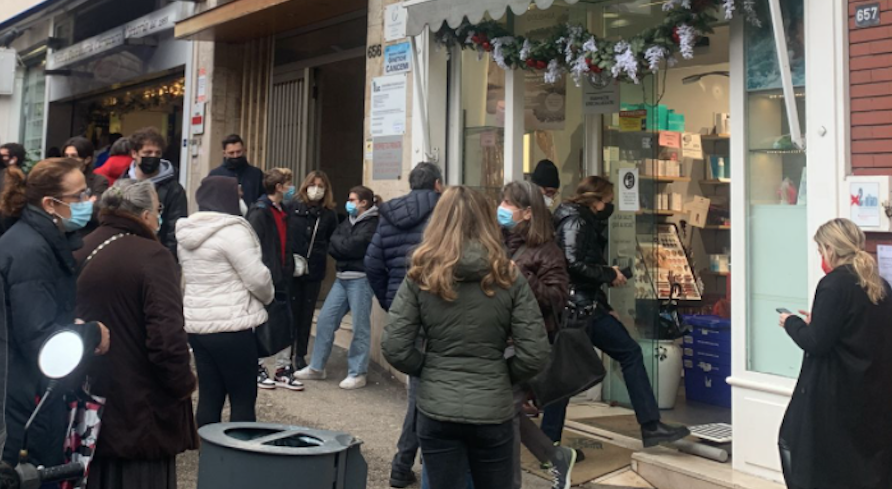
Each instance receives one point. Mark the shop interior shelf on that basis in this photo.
(665, 179)
(718, 227)
(715, 274)
(661, 212)
(772, 151)
(720, 181)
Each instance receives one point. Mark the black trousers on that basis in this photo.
(451, 449)
(304, 294)
(227, 366)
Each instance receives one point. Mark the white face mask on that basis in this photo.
(549, 201)
(242, 207)
(315, 193)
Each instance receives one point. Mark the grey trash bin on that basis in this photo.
(275, 456)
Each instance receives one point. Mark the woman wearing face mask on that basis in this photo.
(581, 223)
(81, 149)
(529, 237)
(313, 221)
(40, 273)
(837, 431)
(269, 218)
(130, 281)
(351, 292)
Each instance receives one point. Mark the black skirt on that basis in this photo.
(115, 473)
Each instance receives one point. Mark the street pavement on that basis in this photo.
(373, 414)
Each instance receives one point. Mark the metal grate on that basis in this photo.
(285, 132)
(714, 432)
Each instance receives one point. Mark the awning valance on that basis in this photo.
(433, 13)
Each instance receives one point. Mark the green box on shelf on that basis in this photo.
(676, 121)
(657, 115)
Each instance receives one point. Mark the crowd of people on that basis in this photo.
(475, 292)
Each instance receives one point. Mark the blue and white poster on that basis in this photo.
(865, 204)
(397, 58)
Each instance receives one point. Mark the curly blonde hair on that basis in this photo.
(463, 217)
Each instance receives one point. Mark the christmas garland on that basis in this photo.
(573, 49)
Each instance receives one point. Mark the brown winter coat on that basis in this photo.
(133, 287)
(545, 268)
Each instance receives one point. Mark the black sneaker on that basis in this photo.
(562, 467)
(402, 479)
(285, 379)
(263, 379)
(662, 433)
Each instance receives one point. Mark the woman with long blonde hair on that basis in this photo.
(467, 298)
(837, 431)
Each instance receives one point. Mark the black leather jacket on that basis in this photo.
(584, 240)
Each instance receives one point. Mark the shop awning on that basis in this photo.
(433, 13)
(243, 20)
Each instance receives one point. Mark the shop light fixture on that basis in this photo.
(688, 80)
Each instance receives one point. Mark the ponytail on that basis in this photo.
(12, 200)
(869, 276)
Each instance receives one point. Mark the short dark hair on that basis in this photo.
(147, 135)
(121, 147)
(275, 177)
(16, 150)
(82, 145)
(425, 176)
(232, 139)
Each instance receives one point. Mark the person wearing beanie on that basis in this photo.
(227, 289)
(547, 177)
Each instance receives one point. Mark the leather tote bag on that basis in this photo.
(277, 333)
(574, 366)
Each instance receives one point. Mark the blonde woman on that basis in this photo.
(469, 299)
(837, 431)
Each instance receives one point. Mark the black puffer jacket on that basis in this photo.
(351, 240)
(584, 240)
(39, 271)
(400, 229)
(261, 218)
(300, 227)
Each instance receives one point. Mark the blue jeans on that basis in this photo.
(611, 337)
(354, 296)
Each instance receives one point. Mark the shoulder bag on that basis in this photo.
(277, 333)
(301, 264)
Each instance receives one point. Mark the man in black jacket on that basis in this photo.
(236, 165)
(400, 229)
(147, 146)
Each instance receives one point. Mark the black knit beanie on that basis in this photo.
(546, 175)
(218, 194)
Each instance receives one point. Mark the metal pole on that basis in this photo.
(783, 61)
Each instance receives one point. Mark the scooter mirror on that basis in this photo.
(61, 354)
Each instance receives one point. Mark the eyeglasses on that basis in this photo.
(82, 196)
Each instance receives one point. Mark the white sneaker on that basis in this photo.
(353, 383)
(309, 374)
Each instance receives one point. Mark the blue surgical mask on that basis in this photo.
(506, 218)
(289, 194)
(351, 209)
(81, 213)
(160, 220)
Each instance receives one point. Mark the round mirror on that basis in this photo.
(61, 354)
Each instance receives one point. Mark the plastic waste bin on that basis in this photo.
(274, 456)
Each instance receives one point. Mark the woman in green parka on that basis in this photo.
(467, 298)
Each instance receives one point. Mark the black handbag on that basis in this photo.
(671, 327)
(573, 366)
(277, 332)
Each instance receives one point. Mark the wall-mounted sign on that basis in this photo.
(388, 112)
(865, 199)
(198, 112)
(155, 22)
(600, 98)
(628, 190)
(395, 16)
(201, 92)
(867, 15)
(387, 158)
(397, 58)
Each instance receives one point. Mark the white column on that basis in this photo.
(455, 131)
(514, 92)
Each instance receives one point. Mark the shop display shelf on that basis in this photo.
(714, 273)
(718, 227)
(660, 179)
(660, 212)
(720, 181)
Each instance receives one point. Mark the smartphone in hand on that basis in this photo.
(627, 272)
(782, 310)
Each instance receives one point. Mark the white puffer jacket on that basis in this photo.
(227, 284)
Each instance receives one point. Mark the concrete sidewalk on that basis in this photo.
(373, 414)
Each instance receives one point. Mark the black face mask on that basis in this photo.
(236, 163)
(148, 165)
(605, 214)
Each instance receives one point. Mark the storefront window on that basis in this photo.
(483, 111)
(32, 112)
(777, 236)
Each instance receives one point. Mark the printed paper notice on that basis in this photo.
(628, 190)
(691, 146)
(670, 139)
(884, 260)
(697, 210)
(388, 106)
(865, 204)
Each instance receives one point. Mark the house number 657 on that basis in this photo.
(867, 15)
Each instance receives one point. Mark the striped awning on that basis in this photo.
(432, 13)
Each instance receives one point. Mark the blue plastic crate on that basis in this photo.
(705, 382)
(707, 355)
(709, 332)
